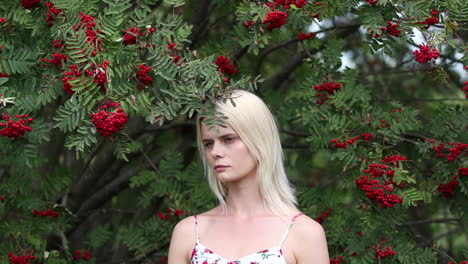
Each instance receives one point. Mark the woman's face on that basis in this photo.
(227, 154)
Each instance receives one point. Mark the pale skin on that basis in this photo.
(247, 227)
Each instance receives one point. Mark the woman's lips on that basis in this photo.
(220, 168)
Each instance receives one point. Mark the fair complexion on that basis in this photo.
(247, 222)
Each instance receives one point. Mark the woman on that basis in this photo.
(257, 220)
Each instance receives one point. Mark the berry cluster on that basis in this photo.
(329, 88)
(29, 4)
(173, 53)
(109, 105)
(4, 75)
(431, 20)
(379, 186)
(302, 36)
(448, 189)
(383, 253)
(248, 24)
(465, 89)
(323, 215)
(426, 53)
(57, 59)
(48, 212)
(71, 75)
(57, 44)
(24, 259)
(286, 4)
(130, 36)
(455, 150)
(223, 65)
(275, 19)
(79, 255)
(142, 75)
(167, 215)
(98, 73)
(393, 160)
(14, 129)
(110, 123)
(337, 144)
(87, 22)
(339, 260)
(372, 2)
(463, 171)
(50, 18)
(391, 29)
(462, 262)
(1, 198)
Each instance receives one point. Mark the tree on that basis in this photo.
(98, 100)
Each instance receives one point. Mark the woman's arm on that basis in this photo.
(311, 243)
(182, 242)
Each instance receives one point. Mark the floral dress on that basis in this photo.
(203, 255)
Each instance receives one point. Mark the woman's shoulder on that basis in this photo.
(309, 240)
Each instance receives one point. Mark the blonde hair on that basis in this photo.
(254, 123)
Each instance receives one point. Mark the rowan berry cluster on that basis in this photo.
(109, 105)
(57, 59)
(109, 123)
(455, 150)
(337, 144)
(431, 20)
(275, 19)
(80, 255)
(465, 89)
(379, 186)
(393, 160)
(323, 215)
(372, 2)
(49, 17)
(142, 75)
(1, 198)
(462, 262)
(223, 65)
(29, 4)
(4, 75)
(391, 29)
(463, 171)
(383, 253)
(48, 212)
(448, 189)
(248, 24)
(339, 260)
(173, 53)
(302, 36)
(24, 259)
(57, 44)
(98, 73)
(71, 75)
(286, 4)
(167, 215)
(329, 88)
(15, 129)
(130, 36)
(87, 22)
(425, 54)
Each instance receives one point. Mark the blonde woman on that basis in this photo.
(256, 220)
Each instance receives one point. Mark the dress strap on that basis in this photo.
(196, 227)
(289, 228)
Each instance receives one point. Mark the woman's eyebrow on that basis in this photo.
(220, 136)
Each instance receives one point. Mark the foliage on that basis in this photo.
(350, 96)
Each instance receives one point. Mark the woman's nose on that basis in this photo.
(217, 150)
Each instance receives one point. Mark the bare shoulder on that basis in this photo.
(182, 241)
(310, 243)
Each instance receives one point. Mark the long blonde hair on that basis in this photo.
(254, 123)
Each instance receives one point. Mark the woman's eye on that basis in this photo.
(228, 139)
(208, 144)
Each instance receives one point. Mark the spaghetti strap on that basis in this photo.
(289, 228)
(196, 228)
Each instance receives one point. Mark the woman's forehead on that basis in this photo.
(216, 131)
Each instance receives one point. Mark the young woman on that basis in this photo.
(257, 220)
